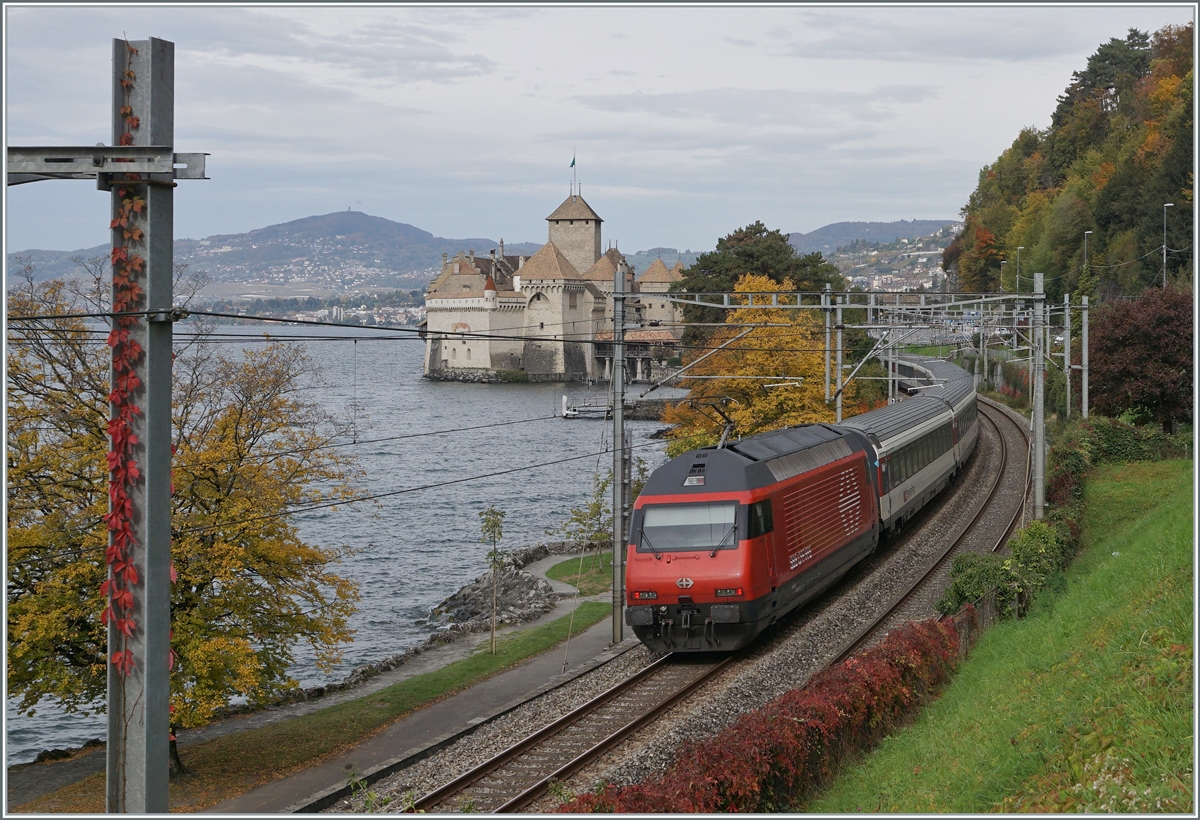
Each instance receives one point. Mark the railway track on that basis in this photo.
(522, 774)
(999, 421)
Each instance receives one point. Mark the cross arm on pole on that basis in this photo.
(35, 163)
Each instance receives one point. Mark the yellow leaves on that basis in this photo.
(251, 447)
(771, 378)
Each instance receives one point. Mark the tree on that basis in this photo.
(1141, 356)
(592, 523)
(491, 527)
(754, 249)
(787, 345)
(250, 448)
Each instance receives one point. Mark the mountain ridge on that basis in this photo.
(344, 250)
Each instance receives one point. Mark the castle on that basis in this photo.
(511, 318)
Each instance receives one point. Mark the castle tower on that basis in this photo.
(575, 230)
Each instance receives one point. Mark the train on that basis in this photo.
(726, 540)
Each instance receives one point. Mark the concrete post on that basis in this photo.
(618, 484)
(138, 721)
(1039, 421)
(1084, 359)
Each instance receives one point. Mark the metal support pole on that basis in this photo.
(891, 369)
(841, 301)
(1083, 360)
(825, 297)
(1067, 348)
(1039, 421)
(138, 721)
(618, 483)
(983, 343)
(871, 308)
(1165, 206)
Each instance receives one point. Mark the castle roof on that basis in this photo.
(606, 266)
(548, 263)
(574, 207)
(658, 273)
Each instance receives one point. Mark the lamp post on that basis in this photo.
(1165, 206)
(1003, 262)
(1017, 284)
(1086, 234)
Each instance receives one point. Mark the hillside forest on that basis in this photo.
(1115, 165)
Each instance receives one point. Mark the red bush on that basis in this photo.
(771, 757)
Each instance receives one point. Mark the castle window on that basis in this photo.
(572, 301)
(454, 353)
(468, 354)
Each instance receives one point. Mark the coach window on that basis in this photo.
(760, 518)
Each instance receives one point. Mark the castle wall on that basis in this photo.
(578, 239)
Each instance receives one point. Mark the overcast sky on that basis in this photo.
(686, 122)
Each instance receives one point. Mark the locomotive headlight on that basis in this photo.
(644, 595)
(729, 593)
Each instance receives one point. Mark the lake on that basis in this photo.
(412, 550)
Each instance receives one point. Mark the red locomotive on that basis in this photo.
(724, 541)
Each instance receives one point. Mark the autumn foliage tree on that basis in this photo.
(250, 447)
(1141, 357)
(1119, 147)
(785, 345)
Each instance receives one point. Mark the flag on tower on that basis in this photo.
(572, 160)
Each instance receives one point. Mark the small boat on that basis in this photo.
(585, 410)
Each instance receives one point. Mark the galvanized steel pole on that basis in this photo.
(825, 297)
(618, 483)
(138, 721)
(841, 301)
(1083, 360)
(1039, 421)
(1067, 347)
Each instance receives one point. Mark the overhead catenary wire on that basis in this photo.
(185, 465)
(346, 501)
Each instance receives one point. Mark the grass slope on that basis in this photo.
(1085, 705)
(228, 766)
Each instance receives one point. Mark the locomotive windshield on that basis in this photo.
(681, 527)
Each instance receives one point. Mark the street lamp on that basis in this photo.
(1086, 234)
(1003, 262)
(1017, 284)
(1165, 206)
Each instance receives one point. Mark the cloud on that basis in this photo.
(803, 110)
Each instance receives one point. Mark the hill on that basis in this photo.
(336, 252)
(831, 237)
(1113, 169)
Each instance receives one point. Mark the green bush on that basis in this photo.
(973, 576)
(1040, 552)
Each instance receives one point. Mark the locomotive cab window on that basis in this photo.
(688, 527)
(760, 518)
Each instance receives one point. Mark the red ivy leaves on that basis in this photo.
(124, 472)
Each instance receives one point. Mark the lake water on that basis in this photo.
(415, 549)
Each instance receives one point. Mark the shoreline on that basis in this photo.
(73, 764)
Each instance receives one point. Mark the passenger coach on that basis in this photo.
(724, 541)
